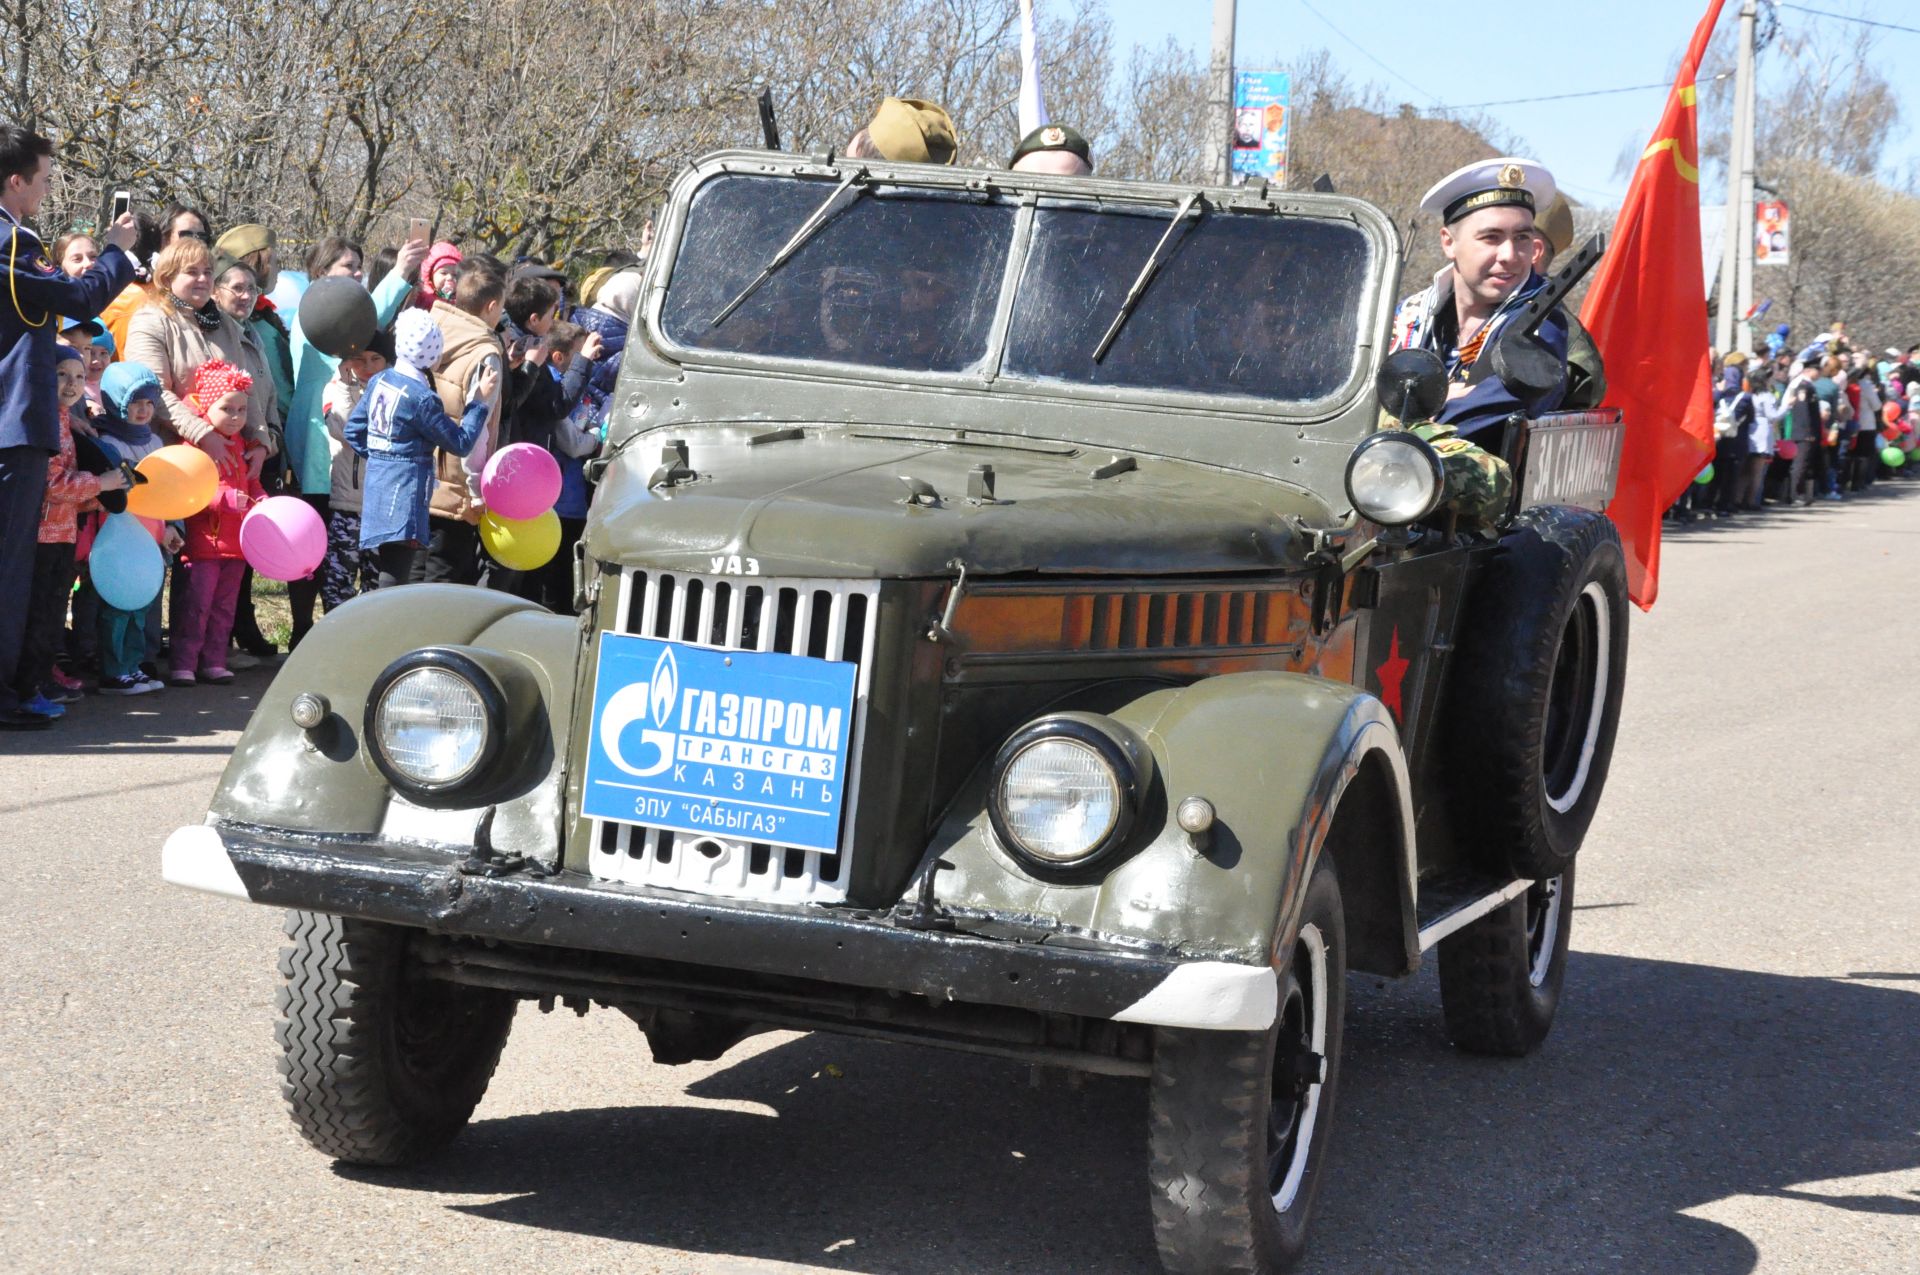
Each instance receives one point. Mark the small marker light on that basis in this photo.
(310, 710)
(1195, 815)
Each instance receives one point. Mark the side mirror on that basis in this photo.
(1526, 366)
(1412, 384)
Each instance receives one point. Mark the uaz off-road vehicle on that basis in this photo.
(1004, 625)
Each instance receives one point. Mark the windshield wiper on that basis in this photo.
(841, 199)
(1147, 271)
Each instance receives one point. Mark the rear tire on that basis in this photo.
(1500, 977)
(1238, 1124)
(379, 1065)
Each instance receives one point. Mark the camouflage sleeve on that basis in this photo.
(1479, 484)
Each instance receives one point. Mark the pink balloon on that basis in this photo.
(283, 538)
(1786, 449)
(520, 481)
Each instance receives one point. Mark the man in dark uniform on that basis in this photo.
(1486, 211)
(36, 294)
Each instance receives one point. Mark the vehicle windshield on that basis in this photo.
(1243, 303)
(905, 279)
(1254, 303)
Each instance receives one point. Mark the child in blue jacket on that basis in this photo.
(396, 425)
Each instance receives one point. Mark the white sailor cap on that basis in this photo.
(1491, 183)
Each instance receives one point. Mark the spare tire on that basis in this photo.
(1534, 696)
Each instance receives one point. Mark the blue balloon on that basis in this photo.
(125, 564)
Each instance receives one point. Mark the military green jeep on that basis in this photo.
(1005, 624)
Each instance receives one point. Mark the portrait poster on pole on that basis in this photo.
(1772, 232)
(1262, 107)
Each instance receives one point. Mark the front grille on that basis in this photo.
(824, 619)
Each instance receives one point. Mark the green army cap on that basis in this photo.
(1052, 137)
(224, 261)
(910, 131)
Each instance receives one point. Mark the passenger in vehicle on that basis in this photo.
(907, 130)
(1490, 241)
(1586, 374)
(1053, 148)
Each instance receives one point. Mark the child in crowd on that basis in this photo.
(204, 626)
(95, 343)
(69, 490)
(575, 440)
(436, 275)
(396, 426)
(131, 397)
(348, 570)
(468, 327)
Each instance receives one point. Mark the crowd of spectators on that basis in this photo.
(1823, 423)
(156, 331)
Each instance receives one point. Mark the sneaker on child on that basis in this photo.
(41, 706)
(127, 684)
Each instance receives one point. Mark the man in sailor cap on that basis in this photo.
(1486, 212)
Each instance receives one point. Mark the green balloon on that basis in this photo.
(1705, 476)
(1892, 456)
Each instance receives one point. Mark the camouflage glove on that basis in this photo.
(1479, 486)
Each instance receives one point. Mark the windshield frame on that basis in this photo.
(1026, 191)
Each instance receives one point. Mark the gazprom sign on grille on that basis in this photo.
(746, 745)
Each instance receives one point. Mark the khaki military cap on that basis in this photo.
(908, 130)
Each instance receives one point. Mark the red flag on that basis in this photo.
(1647, 311)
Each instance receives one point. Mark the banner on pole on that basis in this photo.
(1262, 111)
(1772, 232)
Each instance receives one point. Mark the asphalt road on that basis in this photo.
(1732, 1084)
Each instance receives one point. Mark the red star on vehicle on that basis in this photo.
(1391, 674)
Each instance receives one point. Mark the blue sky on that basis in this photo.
(1432, 52)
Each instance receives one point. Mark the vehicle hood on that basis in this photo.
(840, 501)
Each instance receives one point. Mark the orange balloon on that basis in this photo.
(181, 481)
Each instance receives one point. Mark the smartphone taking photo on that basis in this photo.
(417, 230)
(119, 205)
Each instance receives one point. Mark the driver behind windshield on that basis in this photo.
(1490, 241)
(859, 314)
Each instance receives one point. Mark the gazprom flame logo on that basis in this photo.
(630, 704)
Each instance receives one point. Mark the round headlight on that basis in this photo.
(431, 726)
(1066, 789)
(1394, 478)
(1060, 799)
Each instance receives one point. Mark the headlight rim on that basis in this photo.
(1397, 438)
(1129, 760)
(493, 703)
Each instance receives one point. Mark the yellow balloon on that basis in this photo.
(181, 481)
(521, 545)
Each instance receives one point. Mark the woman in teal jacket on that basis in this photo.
(309, 463)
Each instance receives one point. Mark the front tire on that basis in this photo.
(377, 1064)
(1239, 1121)
(1500, 977)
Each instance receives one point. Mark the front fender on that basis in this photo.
(324, 782)
(1274, 753)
